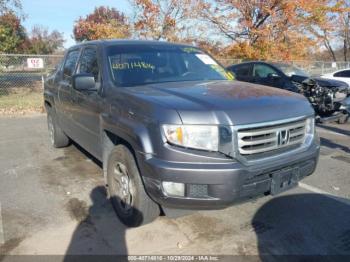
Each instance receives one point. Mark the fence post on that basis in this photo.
(42, 81)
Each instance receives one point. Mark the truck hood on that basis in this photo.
(225, 102)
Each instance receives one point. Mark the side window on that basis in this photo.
(345, 73)
(242, 70)
(263, 71)
(70, 63)
(88, 63)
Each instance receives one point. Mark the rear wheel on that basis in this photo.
(57, 137)
(126, 190)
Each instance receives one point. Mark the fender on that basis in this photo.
(129, 130)
(49, 97)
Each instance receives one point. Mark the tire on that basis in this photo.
(343, 120)
(126, 190)
(57, 137)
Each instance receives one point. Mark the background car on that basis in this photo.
(330, 98)
(281, 75)
(342, 75)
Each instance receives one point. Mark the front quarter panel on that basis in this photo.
(136, 120)
(50, 91)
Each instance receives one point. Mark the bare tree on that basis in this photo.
(10, 6)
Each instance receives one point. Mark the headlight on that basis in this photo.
(310, 126)
(193, 136)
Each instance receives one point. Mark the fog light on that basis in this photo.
(174, 189)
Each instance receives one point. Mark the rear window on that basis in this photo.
(139, 65)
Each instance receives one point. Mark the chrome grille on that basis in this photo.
(263, 139)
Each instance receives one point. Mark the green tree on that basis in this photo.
(12, 33)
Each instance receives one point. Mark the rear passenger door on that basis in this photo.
(243, 72)
(88, 103)
(63, 104)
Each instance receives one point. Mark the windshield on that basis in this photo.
(140, 65)
(290, 70)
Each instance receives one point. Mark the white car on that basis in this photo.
(341, 75)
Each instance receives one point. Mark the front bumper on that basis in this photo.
(218, 185)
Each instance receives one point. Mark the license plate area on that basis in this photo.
(284, 180)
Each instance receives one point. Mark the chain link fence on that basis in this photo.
(21, 80)
(22, 76)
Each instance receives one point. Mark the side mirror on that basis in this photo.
(273, 76)
(296, 78)
(84, 82)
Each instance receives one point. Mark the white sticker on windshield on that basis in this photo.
(206, 59)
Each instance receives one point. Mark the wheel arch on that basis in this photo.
(134, 136)
(48, 99)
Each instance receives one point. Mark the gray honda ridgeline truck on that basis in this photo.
(174, 131)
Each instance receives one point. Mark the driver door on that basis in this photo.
(88, 103)
(266, 75)
(64, 101)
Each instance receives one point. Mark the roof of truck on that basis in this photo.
(111, 42)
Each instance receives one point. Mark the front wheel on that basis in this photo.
(126, 190)
(344, 119)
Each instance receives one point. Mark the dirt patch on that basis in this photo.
(345, 159)
(204, 228)
(66, 173)
(9, 245)
(75, 161)
(52, 177)
(77, 209)
(60, 158)
(256, 226)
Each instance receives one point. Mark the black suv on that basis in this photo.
(174, 131)
(281, 75)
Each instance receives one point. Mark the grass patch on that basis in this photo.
(21, 102)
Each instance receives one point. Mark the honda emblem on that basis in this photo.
(283, 137)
